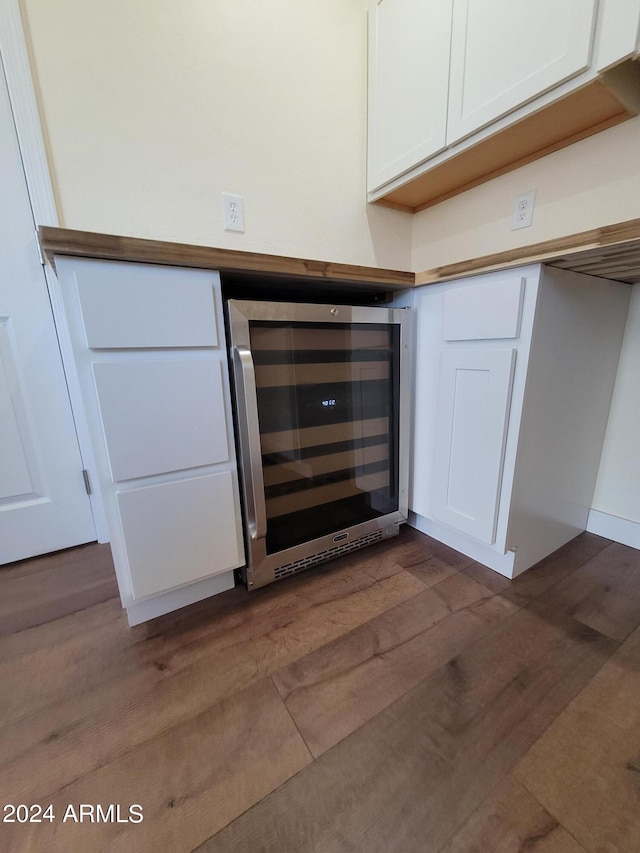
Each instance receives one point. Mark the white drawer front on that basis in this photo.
(483, 311)
(161, 416)
(179, 532)
(142, 306)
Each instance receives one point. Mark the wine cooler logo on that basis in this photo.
(329, 404)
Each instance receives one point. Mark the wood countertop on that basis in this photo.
(85, 244)
(612, 251)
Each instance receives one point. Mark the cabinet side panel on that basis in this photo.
(428, 302)
(574, 357)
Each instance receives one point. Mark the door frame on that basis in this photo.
(24, 106)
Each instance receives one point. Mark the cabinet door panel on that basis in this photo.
(179, 532)
(506, 52)
(409, 43)
(127, 306)
(473, 406)
(175, 415)
(619, 32)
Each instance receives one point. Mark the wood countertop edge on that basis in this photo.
(86, 244)
(584, 246)
(585, 249)
(493, 263)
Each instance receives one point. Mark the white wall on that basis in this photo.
(618, 487)
(152, 108)
(592, 183)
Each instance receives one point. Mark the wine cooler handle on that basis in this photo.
(250, 434)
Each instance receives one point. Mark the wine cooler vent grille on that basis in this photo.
(328, 554)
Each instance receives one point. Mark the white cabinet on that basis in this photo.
(618, 32)
(514, 374)
(471, 432)
(463, 90)
(504, 53)
(149, 349)
(409, 52)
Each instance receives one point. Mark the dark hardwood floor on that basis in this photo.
(400, 699)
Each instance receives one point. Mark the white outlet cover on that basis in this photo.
(232, 212)
(522, 214)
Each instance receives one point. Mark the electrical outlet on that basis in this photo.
(522, 215)
(232, 212)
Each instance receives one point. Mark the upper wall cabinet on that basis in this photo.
(409, 51)
(504, 53)
(461, 91)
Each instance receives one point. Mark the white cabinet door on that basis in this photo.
(619, 32)
(471, 430)
(409, 44)
(506, 52)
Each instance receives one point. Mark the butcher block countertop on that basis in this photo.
(85, 244)
(612, 251)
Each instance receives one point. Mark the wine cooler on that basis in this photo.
(321, 395)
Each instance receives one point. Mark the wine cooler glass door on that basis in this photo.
(325, 398)
(319, 419)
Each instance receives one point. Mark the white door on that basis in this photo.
(43, 502)
(408, 84)
(473, 410)
(506, 52)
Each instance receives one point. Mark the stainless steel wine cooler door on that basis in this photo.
(322, 412)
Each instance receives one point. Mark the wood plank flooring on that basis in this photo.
(402, 698)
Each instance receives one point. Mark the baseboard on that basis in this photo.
(501, 563)
(612, 527)
(177, 598)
